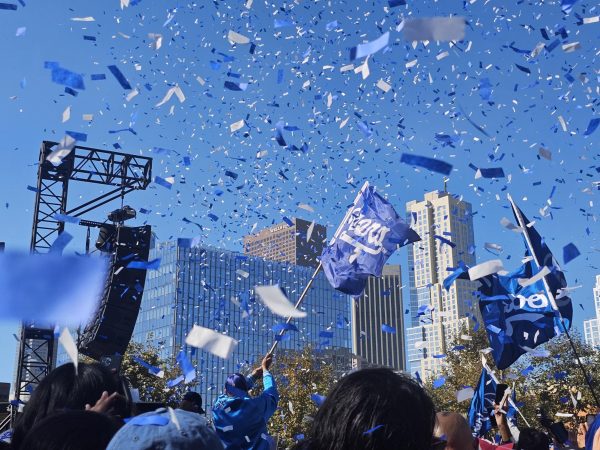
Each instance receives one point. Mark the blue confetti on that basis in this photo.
(570, 252)
(370, 48)
(388, 329)
(318, 399)
(439, 382)
(144, 420)
(375, 428)
(120, 77)
(435, 165)
(592, 126)
(284, 326)
(8, 6)
(67, 78)
(82, 137)
(281, 23)
(148, 265)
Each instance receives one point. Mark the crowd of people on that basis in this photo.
(90, 408)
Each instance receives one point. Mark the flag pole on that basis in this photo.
(320, 266)
(523, 226)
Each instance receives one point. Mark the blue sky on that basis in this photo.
(294, 75)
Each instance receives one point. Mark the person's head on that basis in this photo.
(71, 430)
(237, 384)
(455, 430)
(374, 409)
(532, 439)
(167, 429)
(63, 389)
(192, 402)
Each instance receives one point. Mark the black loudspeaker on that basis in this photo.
(110, 330)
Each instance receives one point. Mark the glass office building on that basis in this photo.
(214, 288)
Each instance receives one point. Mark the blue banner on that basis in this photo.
(371, 234)
(482, 405)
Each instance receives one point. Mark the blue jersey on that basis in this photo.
(241, 421)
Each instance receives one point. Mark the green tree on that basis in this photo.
(462, 368)
(151, 387)
(556, 382)
(298, 375)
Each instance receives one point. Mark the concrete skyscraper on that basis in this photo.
(445, 224)
(591, 327)
(296, 241)
(380, 304)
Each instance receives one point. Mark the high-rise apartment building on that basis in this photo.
(591, 327)
(297, 241)
(214, 288)
(445, 224)
(380, 306)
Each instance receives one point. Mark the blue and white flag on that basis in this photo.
(524, 308)
(517, 316)
(372, 232)
(482, 404)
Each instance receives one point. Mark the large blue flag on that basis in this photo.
(482, 404)
(366, 240)
(525, 308)
(517, 317)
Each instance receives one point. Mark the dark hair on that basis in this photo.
(532, 439)
(71, 430)
(61, 390)
(373, 409)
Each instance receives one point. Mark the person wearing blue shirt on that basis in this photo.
(241, 420)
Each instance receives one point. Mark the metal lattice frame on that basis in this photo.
(125, 173)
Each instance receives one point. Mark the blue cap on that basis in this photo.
(238, 382)
(166, 429)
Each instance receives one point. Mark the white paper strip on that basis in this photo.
(381, 84)
(273, 298)
(537, 277)
(237, 38)
(485, 269)
(237, 125)
(464, 394)
(309, 232)
(216, 343)
(66, 115)
(66, 340)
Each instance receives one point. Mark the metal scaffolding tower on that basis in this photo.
(124, 173)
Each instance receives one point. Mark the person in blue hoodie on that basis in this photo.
(241, 420)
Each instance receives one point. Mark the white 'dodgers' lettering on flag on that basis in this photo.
(364, 234)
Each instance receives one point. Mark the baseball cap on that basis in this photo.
(166, 429)
(195, 398)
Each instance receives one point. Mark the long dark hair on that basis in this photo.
(71, 430)
(62, 389)
(373, 409)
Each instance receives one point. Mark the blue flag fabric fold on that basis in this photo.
(482, 404)
(368, 238)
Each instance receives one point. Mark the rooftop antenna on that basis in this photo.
(446, 184)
